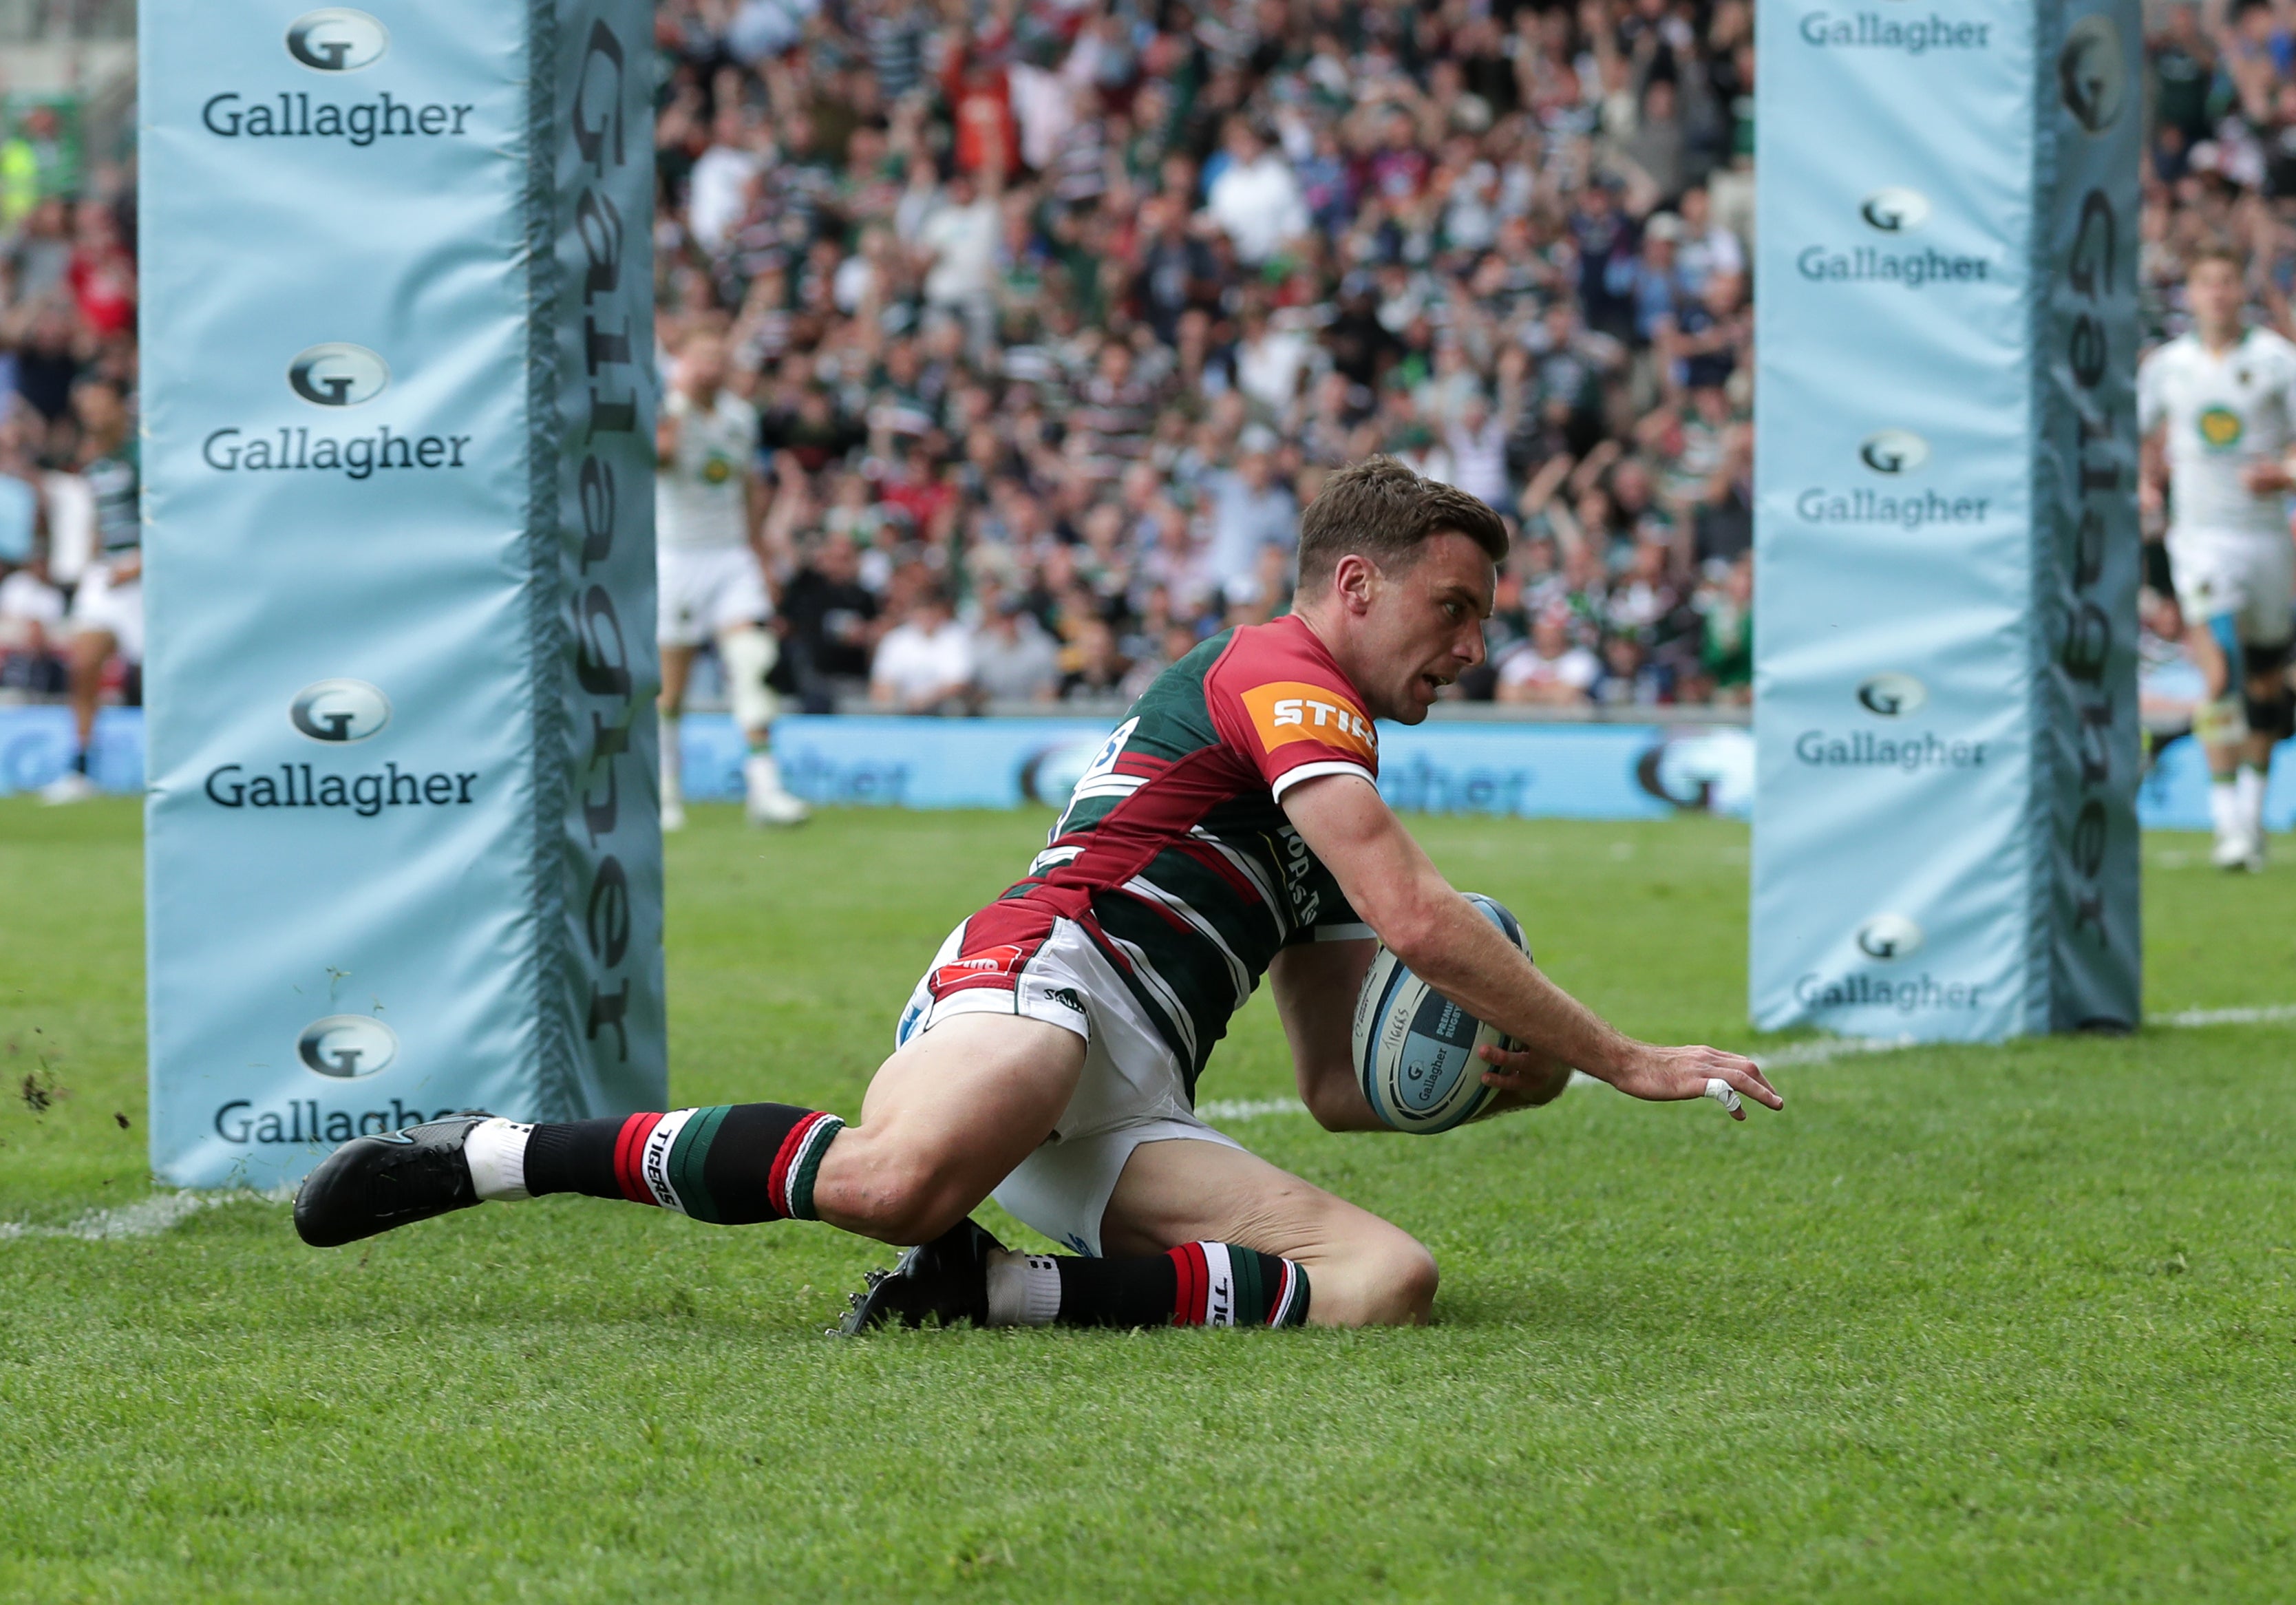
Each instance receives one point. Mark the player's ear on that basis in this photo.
(1356, 579)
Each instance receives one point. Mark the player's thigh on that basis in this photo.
(681, 597)
(2265, 621)
(736, 594)
(945, 1119)
(1362, 1271)
(92, 646)
(123, 617)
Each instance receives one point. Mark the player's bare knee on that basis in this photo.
(1388, 1280)
(1408, 1275)
(880, 1189)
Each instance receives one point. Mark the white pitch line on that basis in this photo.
(146, 1217)
(1248, 1109)
(2226, 1017)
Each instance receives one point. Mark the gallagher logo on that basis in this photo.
(1893, 451)
(1883, 937)
(335, 39)
(334, 375)
(347, 1046)
(1895, 211)
(340, 711)
(1889, 694)
(2093, 73)
(338, 374)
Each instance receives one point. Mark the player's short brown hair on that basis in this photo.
(2215, 250)
(1381, 509)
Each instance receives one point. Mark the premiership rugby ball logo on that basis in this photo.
(335, 39)
(338, 374)
(347, 1046)
(339, 710)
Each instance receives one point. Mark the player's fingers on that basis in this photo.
(1723, 1093)
(1748, 1080)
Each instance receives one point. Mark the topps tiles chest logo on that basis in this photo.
(334, 41)
(334, 376)
(338, 713)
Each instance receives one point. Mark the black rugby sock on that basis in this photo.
(730, 1163)
(1195, 1284)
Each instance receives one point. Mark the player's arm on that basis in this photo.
(1396, 890)
(2277, 474)
(2152, 433)
(757, 508)
(1315, 984)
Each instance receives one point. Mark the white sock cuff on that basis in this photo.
(1024, 1290)
(495, 1152)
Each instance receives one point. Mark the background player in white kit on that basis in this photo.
(107, 615)
(2216, 407)
(709, 507)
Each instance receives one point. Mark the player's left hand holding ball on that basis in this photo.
(1532, 1077)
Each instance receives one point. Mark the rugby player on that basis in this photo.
(107, 614)
(1230, 828)
(2216, 407)
(709, 505)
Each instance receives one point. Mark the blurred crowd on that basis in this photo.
(1058, 315)
(67, 327)
(1054, 314)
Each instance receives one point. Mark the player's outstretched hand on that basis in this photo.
(1664, 1075)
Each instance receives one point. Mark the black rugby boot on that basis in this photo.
(370, 1185)
(946, 1280)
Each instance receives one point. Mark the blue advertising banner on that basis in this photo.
(1945, 836)
(1532, 770)
(1554, 771)
(402, 844)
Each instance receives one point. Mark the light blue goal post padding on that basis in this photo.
(1946, 526)
(403, 842)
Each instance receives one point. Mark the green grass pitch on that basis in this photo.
(1972, 1323)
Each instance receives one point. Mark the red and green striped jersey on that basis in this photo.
(1174, 852)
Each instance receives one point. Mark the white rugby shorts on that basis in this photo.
(704, 591)
(118, 609)
(2252, 578)
(1132, 1092)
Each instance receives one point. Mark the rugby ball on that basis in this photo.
(1416, 1052)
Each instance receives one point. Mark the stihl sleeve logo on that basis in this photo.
(1290, 710)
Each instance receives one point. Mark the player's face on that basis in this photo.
(2215, 291)
(703, 365)
(1424, 627)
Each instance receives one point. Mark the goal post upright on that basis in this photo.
(1945, 837)
(403, 851)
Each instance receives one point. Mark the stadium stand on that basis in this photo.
(1056, 314)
